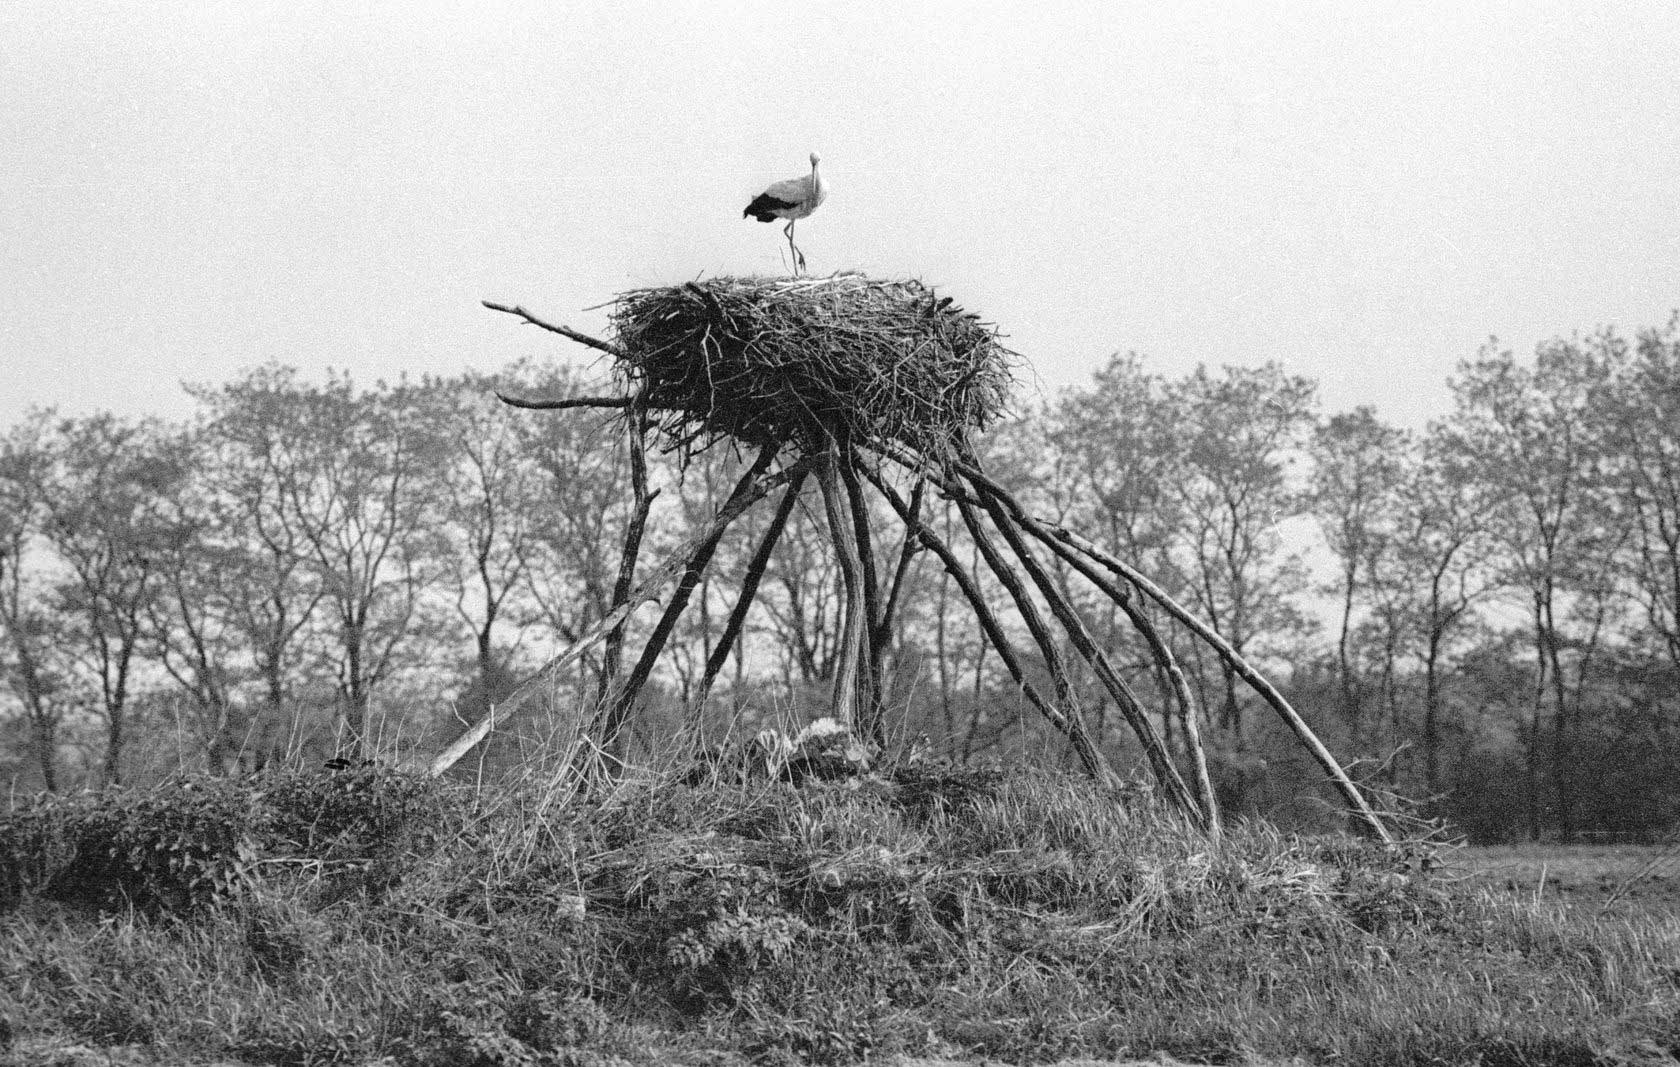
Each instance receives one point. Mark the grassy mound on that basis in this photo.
(776, 359)
(1025, 917)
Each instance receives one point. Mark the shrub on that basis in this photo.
(181, 846)
(162, 850)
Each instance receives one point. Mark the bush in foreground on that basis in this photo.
(1024, 917)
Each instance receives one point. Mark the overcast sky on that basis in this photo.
(1360, 191)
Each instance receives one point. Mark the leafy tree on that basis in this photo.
(33, 648)
(1539, 434)
(107, 495)
(1645, 434)
(252, 456)
(490, 513)
(1238, 435)
(362, 496)
(1359, 464)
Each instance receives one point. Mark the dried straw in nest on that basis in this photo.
(796, 360)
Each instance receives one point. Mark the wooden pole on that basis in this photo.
(850, 694)
(636, 430)
(1244, 670)
(1091, 757)
(618, 704)
(549, 674)
(749, 590)
(1074, 626)
(1162, 654)
(869, 675)
(879, 640)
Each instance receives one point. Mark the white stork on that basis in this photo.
(792, 200)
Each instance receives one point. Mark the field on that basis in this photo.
(917, 916)
(1610, 880)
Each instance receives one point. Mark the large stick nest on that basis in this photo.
(797, 360)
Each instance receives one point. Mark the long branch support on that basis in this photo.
(619, 703)
(544, 679)
(749, 590)
(564, 331)
(1257, 681)
(1162, 654)
(635, 433)
(1074, 626)
(1089, 755)
(879, 640)
(1007, 576)
(851, 693)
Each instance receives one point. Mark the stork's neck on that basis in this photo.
(817, 190)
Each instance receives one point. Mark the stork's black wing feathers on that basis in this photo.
(764, 205)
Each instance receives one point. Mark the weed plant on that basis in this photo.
(363, 916)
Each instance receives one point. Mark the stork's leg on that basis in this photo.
(798, 257)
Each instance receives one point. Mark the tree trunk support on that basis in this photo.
(1159, 761)
(636, 433)
(749, 591)
(1244, 670)
(619, 703)
(679, 562)
(850, 696)
(1065, 720)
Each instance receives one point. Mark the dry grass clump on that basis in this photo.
(766, 360)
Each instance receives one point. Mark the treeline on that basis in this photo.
(1485, 616)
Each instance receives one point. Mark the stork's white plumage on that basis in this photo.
(792, 200)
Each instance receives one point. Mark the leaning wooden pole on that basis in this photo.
(1066, 722)
(850, 695)
(1158, 648)
(1257, 681)
(879, 640)
(545, 678)
(1024, 605)
(623, 698)
(635, 428)
(1007, 576)
(749, 590)
(1160, 762)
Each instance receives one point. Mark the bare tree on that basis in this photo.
(188, 620)
(578, 514)
(489, 513)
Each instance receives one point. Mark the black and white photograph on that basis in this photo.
(762, 533)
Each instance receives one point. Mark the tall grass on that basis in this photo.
(1022, 916)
